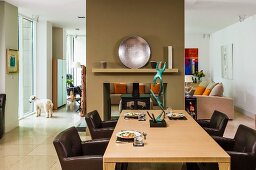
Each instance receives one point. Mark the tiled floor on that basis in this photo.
(30, 147)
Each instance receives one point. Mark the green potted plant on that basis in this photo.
(197, 76)
(69, 82)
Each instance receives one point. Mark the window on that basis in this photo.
(26, 65)
(76, 52)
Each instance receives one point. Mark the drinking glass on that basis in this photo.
(169, 111)
(138, 141)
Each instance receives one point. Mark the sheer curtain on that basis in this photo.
(76, 52)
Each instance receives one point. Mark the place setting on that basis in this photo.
(135, 115)
(131, 136)
(175, 116)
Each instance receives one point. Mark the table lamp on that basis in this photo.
(188, 85)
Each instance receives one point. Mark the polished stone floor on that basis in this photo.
(29, 147)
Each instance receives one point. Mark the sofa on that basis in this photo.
(207, 104)
(212, 99)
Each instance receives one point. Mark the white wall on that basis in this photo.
(9, 82)
(44, 60)
(243, 86)
(198, 41)
(2, 46)
(80, 49)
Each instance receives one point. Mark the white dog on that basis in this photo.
(42, 103)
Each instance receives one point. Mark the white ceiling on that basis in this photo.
(207, 16)
(61, 13)
(201, 16)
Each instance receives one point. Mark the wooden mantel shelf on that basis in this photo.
(126, 70)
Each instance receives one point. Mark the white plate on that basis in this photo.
(131, 114)
(125, 134)
(176, 115)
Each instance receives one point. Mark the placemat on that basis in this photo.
(180, 118)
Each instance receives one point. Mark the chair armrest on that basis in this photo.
(109, 123)
(203, 123)
(226, 143)
(103, 133)
(241, 160)
(95, 147)
(213, 132)
(92, 162)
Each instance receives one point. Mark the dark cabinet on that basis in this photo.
(191, 106)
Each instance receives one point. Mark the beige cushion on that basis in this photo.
(211, 85)
(112, 91)
(217, 90)
(129, 88)
(204, 84)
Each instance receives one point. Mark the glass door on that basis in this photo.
(26, 66)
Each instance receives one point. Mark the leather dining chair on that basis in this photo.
(97, 127)
(242, 151)
(242, 148)
(76, 154)
(217, 124)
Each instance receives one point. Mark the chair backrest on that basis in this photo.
(68, 144)
(2, 101)
(245, 140)
(93, 119)
(219, 121)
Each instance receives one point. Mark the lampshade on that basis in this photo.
(188, 79)
(77, 64)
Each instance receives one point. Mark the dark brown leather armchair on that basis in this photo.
(97, 127)
(2, 112)
(217, 125)
(242, 149)
(78, 155)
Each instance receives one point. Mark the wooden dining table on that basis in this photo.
(180, 142)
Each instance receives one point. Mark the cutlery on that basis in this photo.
(145, 135)
(154, 119)
(150, 115)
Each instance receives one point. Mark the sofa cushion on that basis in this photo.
(112, 89)
(199, 90)
(209, 88)
(141, 88)
(119, 88)
(129, 88)
(207, 92)
(204, 84)
(217, 90)
(155, 89)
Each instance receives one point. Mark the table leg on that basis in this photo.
(224, 166)
(109, 166)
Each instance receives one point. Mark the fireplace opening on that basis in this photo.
(118, 96)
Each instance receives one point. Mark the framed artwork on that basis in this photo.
(227, 61)
(191, 61)
(12, 61)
